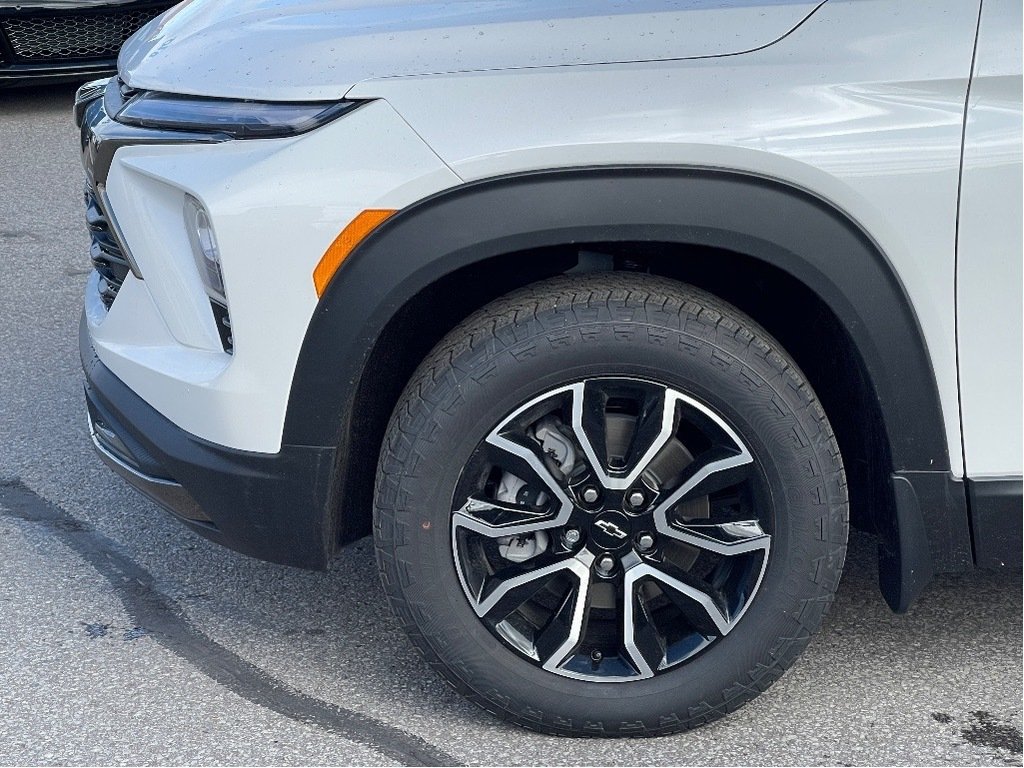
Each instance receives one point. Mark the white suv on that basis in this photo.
(606, 318)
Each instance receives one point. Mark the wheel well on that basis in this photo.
(804, 325)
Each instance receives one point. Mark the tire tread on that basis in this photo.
(619, 297)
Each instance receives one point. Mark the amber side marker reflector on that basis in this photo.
(351, 236)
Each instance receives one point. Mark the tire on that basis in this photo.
(765, 553)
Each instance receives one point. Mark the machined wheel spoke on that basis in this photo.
(641, 435)
(733, 538)
(643, 643)
(511, 592)
(524, 462)
(697, 604)
(557, 641)
(491, 517)
(554, 643)
(714, 471)
(494, 518)
(578, 613)
(721, 470)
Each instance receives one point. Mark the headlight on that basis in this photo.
(238, 119)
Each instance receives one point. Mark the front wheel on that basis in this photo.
(610, 505)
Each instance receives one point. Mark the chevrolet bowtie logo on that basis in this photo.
(611, 529)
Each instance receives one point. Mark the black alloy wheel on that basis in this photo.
(610, 529)
(610, 504)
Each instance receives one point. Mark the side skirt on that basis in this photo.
(997, 512)
(945, 525)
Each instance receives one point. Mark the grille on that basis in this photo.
(73, 36)
(104, 250)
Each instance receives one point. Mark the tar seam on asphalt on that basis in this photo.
(169, 626)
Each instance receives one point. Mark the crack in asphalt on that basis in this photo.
(166, 623)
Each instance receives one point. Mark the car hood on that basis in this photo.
(318, 49)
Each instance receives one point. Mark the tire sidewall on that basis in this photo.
(482, 386)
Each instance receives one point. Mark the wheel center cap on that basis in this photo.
(611, 530)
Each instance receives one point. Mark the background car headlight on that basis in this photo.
(238, 119)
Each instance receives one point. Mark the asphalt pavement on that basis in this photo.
(124, 638)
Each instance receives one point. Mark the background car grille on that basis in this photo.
(104, 250)
(95, 34)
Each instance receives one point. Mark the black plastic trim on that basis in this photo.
(768, 220)
(774, 222)
(904, 562)
(270, 506)
(37, 74)
(170, 495)
(928, 534)
(997, 518)
(101, 137)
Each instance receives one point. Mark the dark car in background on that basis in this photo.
(67, 40)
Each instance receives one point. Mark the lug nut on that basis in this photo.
(590, 495)
(636, 499)
(571, 537)
(605, 565)
(645, 542)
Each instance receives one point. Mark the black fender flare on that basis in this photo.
(776, 222)
(769, 220)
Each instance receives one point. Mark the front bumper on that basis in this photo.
(70, 42)
(276, 507)
(194, 427)
(12, 75)
(276, 206)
